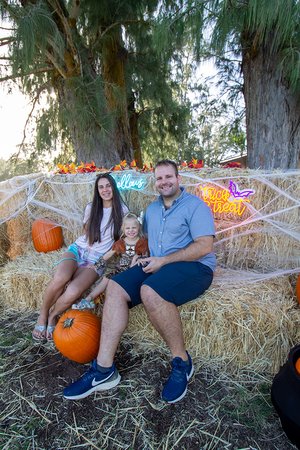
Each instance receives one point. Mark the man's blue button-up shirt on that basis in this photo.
(175, 228)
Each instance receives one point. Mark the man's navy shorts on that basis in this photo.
(177, 282)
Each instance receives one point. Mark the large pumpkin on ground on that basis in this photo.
(77, 335)
(46, 235)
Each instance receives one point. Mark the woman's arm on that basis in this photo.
(100, 265)
(108, 255)
(86, 216)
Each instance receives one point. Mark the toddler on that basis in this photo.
(131, 246)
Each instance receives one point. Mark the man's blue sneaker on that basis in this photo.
(176, 386)
(91, 381)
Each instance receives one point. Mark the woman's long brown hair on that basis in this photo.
(115, 221)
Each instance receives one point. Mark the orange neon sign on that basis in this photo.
(222, 200)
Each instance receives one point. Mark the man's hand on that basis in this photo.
(151, 264)
(200, 247)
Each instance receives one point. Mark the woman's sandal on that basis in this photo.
(40, 329)
(49, 332)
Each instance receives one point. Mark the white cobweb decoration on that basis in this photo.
(260, 244)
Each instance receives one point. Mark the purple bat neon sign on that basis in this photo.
(236, 193)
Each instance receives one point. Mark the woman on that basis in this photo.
(102, 224)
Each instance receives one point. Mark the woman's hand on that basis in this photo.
(134, 260)
(91, 266)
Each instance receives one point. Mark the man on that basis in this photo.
(180, 231)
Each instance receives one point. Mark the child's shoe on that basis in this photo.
(84, 304)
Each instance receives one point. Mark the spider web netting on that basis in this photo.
(256, 213)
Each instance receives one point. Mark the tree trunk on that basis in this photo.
(137, 151)
(272, 113)
(105, 146)
(134, 131)
(114, 57)
(94, 143)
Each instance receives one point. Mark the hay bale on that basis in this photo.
(23, 281)
(244, 321)
(242, 327)
(19, 235)
(4, 244)
(63, 200)
(15, 196)
(260, 249)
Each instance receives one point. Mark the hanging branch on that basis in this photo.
(21, 75)
(72, 61)
(6, 40)
(36, 98)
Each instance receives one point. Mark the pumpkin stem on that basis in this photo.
(68, 322)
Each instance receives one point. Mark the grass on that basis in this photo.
(249, 405)
(221, 411)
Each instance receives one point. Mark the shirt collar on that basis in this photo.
(183, 191)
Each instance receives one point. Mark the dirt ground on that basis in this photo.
(220, 411)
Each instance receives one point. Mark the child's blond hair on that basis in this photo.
(131, 216)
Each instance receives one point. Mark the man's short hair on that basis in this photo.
(167, 162)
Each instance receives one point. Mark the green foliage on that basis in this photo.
(178, 24)
(14, 167)
(61, 53)
(290, 65)
(253, 24)
(77, 108)
(36, 30)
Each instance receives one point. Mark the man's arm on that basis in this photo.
(200, 247)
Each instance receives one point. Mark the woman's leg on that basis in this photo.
(63, 274)
(82, 280)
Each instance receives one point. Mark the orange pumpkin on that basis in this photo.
(297, 366)
(46, 235)
(77, 335)
(298, 289)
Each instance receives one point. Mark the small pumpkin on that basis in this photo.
(46, 235)
(77, 335)
(297, 366)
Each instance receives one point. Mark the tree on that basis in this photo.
(98, 64)
(266, 35)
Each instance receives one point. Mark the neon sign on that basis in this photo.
(237, 194)
(222, 200)
(127, 181)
